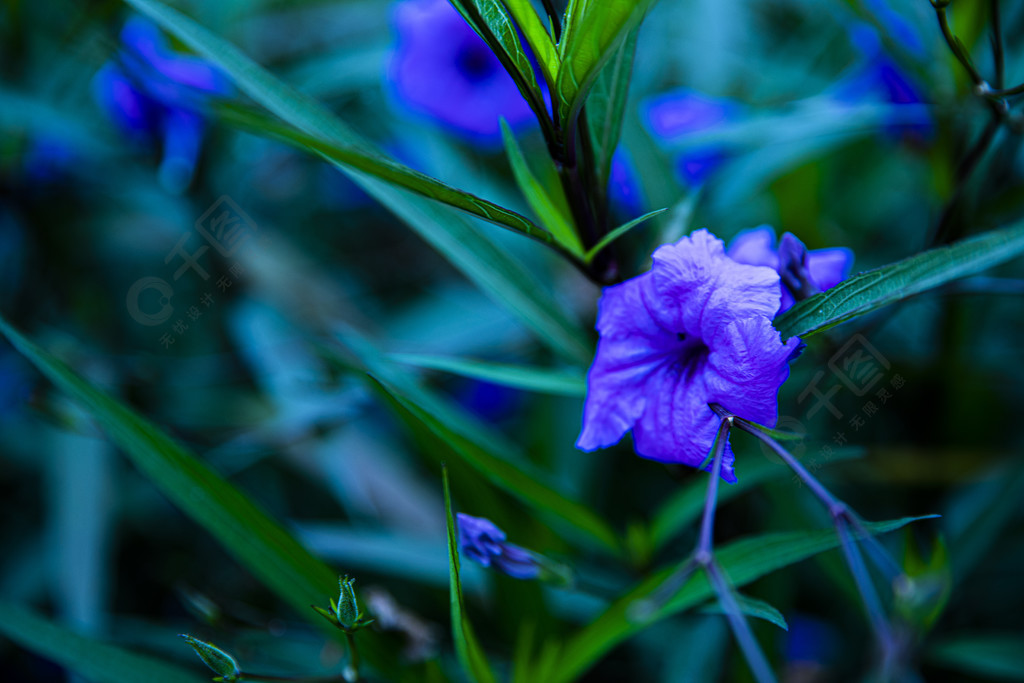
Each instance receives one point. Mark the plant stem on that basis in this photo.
(997, 43)
(351, 672)
(741, 629)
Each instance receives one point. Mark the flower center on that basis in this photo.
(475, 62)
(691, 353)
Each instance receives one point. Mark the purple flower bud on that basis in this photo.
(802, 273)
(484, 543)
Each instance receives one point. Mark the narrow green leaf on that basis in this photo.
(258, 542)
(606, 106)
(384, 168)
(617, 233)
(537, 37)
(488, 453)
(540, 380)
(594, 31)
(491, 21)
(989, 655)
(92, 659)
(551, 216)
(489, 267)
(743, 561)
(752, 607)
(471, 656)
(525, 486)
(869, 291)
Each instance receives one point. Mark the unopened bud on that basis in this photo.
(220, 662)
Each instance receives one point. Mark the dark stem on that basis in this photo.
(872, 604)
(948, 229)
(351, 672)
(741, 629)
(997, 44)
(837, 509)
(955, 45)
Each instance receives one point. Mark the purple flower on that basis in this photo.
(442, 69)
(802, 272)
(153, 93)
(624, 189)
(877, 77)
(676, 115)
(694, 330)
(481, 541)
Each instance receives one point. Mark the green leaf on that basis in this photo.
(606, 105)
(382, 167)
(550, 214)
(471, 656)
(537, 37)
(683, 508)
(869, 291)
(540, 380)
(594, 30)
(489, 267)
(92, 659)
(743, 561)
(244, 529)
(489, 454)
(491, 21)
(990, 655)
(617, 233)
(752, 607)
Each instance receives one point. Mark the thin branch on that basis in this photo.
(997, 44)
(741, 629)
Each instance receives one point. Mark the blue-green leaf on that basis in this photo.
(92, 659)
(258, 542)
(471, 656)
(998, 656)
(752, 607)
(593, 31)
(617, 233)
(537, 37)
(606, 106)
(380, 166)
(492, 269)
(540, 380)
(869, 291)
(558, 224)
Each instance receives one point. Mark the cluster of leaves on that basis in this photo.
(585, 62)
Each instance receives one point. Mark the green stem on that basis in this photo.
(352, 670)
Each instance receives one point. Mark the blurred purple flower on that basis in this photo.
(802, 272)
(441, 68)
(877, 77)
(624, 189)
(676, 115)
(48, 160)
(154, 93)
(694, 330)
(481, 541)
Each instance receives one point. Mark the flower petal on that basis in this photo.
(633, 346)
